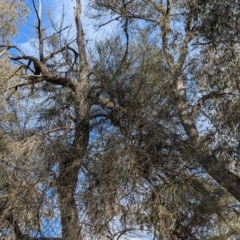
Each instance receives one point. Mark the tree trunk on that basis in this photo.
(210, 163)
(67, 183)
(70, 166)
(69, 169)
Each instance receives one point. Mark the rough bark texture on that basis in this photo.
(218, 171)
(71, 161)
(212, 166)
(69, 167)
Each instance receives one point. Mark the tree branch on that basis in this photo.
(46, 75)
(80, 36)
(210, 95)
(45, 59)
(61, 30)
(106, 103)
(8, 46)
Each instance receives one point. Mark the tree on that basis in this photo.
(70, 160)
(178, 45)
(175, 63)
(12, 13)
(112, 137)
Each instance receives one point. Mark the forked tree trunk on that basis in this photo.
(69, 167)
(68, 178)
(209, 162)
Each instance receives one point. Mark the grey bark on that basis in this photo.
(69, 168)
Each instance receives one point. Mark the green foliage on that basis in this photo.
(140, 134)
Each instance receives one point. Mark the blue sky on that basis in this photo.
(27, 34)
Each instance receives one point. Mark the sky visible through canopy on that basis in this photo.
(27, 41)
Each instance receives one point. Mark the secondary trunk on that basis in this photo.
(210, 163)
(70, 166)
(68, 178)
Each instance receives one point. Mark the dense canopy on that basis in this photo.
(128, 135)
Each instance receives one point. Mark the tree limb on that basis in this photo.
(45, 59)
